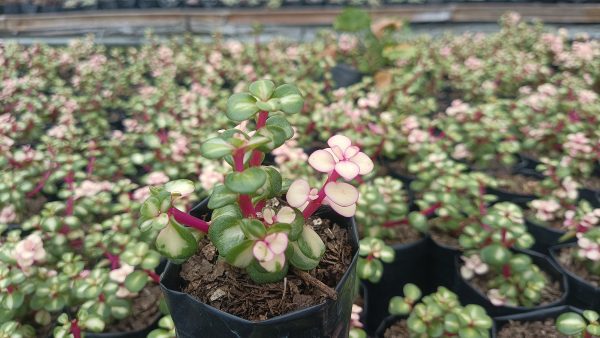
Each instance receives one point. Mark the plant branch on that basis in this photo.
(189, 220)
(261, 121)
(41, 183)
(245, 202)
(315, 204)
(309, 279)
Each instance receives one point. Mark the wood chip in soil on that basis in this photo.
(144, 311)
(550, 293)
(518, 184)
(398, 330)
(577, 267)
(220, 285)
(537, 329)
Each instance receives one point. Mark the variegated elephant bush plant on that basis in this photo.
(251, 226)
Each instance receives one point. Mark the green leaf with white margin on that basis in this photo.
(272, 186)
(411, 292)
(570, 323)
(281, 122)
(241, 255)
(247, 181)
(371, 270)
(297, 226)
(298, 259)
(93, 324)
(231, 210)
(216, 148)
(150, 208)
(262, 89)
(221, 196)
(290, 99)
(226, 233)
(253, 228)
(398, 306)
(180, 187)
(136, 281)
(176, 242)
(241, 106)
(591, 316)
(13, 300)
(261, 276)
(269, 106)
(495, 255)
(387, 254)
(311, 244)
(119, 308)
(151, 260)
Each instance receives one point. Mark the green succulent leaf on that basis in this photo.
(216, 148)
(570, 323)
(176, 242)
(311, 244)
(241, 106)
(298, 259)
(241, 255)
(136, 281)
(221, 196)
(262, 89)
(247, 181)
(261, 276)
(226, 233)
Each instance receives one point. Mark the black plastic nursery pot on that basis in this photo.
(391, 320)
(538, 315)
(582, 294)
(441, 265)
(545, 237)
(469, 295)
(330, 319)
(408, 267)
(507, 196)
(345, 75)
(590, 195)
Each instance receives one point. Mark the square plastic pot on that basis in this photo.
(193, 318)
(582, 294)
(469, 295)
(441, 265)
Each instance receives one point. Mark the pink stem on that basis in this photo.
(261, 121)
(189, 220)
(115, 262)
(245, 202)
(506, 271)
(316, 203)
(71, 201)
(40, 184)
(155, 277)
(75, 329)
(90, 165)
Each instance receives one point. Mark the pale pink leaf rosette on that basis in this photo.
(347, 160)
(270, 251)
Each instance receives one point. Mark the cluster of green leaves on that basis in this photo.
(373, 253)
(381, 200)
(440, 314)
(575, 325)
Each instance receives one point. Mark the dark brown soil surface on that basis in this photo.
(592, 183)
(144, 311)
(517, 184)
(398, 330)
(566, 259)
(403, 234)
(537, 329)
(550, 293)
(398, 167)
(229, 289)
(444, 238)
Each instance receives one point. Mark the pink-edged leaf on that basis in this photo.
(261, 251)
(341, 193)
(277, 242)
(348, 170)
(364, 162)
(340, 141)
(286, 215)
(274, 264)
(268, 215)
(322, 161)
(351, 151)
(348, 211)
(297, 194)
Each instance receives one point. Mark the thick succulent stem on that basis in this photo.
(261, 121)
(315, 204)
(245, 202)
(189, 220)
(75, 329)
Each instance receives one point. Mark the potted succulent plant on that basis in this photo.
(565, 320)
(580, 262)
(439, 314)
(257, 238)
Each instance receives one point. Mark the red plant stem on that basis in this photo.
(379, 149)
(75, 329)
(261, 121)
(427, 212)
(153, 275)
(586, 334)
(315, 204)
(114, 260)
(245, 202)
(189, 220)
(40, 184)
(90, 165)
(506, 271)
(71, 201)
(503, 232)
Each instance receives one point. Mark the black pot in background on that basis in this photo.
(582, 294)
(441, 266)
(29, 7)
(533, 316)
(590, 195)
(386, 323)
(147, 4)
(330, 319)
(344, 75)
(107, 4)
(408, 267)
(168, 3)
(12, 8)
(469, 295)
(545, 237)
(126, 3)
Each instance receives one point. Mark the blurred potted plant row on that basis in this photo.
(456, 177)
